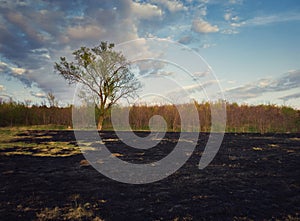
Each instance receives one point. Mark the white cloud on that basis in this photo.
(18, 71)
(194, 88)
(2, 88)
(12, 69)
(3, 64)
(85, 32)
(290, 96)
(286, 82)
(204, 1)
(202, 26)
(202, 74)
(146, 10)
(38, 94)
(164, 73)
(185, 39)
(34, 38)
(41, 52)
(227, 16)
(203, 11)
(292, 71)
(265, 20)
(171, 5)
(229, 32)
(236, 1)
(207, 45)
(235, 24)
(235, 18)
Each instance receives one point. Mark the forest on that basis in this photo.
(240, 118)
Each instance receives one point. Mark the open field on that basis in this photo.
(253, 177)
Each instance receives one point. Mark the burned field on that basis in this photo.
(44, 176)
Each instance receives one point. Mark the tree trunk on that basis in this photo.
(100, 122)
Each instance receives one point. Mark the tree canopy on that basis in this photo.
(104, 73)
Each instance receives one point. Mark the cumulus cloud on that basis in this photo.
(34, 35)
(171, 5)
(23, 23)
(18, 71)
(202, 26)
(150, 67)
(41, 53)
(9, 69)
(3, 65)
(85, 32)
(146, 10)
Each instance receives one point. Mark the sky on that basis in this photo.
(252, 46)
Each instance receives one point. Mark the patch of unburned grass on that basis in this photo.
(7, 134)
(295, 138)
(78, 213)
(10, 144)
(59, 149)
(75, 211)
(273, 145)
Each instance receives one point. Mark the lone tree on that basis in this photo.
(104, 72)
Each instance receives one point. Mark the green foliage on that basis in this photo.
(104, 75)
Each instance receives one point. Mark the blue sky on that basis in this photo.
(252, 46)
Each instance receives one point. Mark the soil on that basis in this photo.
(252, 177)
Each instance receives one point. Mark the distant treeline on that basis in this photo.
(240, 118)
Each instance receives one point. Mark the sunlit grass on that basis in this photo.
(10, 144)
(75, 211)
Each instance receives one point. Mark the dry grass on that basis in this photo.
(76, 212)
(11, 144)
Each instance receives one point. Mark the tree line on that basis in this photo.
(240, 118)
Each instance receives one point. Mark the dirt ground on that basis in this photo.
(253, 177)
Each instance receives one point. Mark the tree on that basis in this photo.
(104, 73)
(52, 100)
